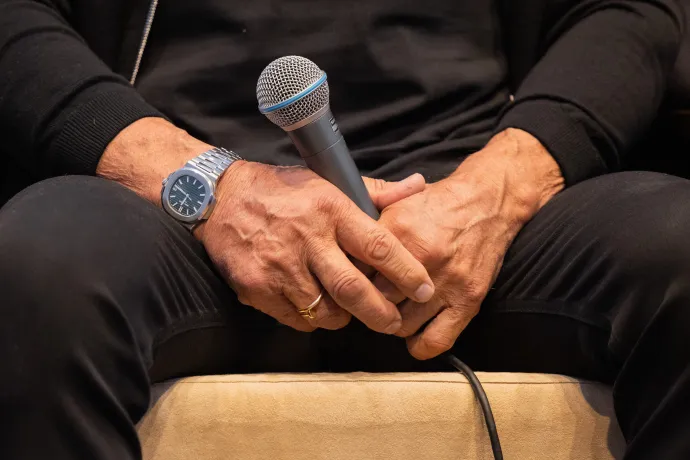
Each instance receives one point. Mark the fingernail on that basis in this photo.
(394, 327)
(424, 293)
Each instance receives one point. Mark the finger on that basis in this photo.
(280, 308)
(388, 290)
(368, 271)
(440, 335)
(329, 315)
(353, 291)
(372, 244)
(415, 315)
(303, 290)
(384, 193)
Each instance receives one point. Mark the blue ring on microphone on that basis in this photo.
(309, 89)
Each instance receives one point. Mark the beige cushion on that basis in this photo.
(378, 416)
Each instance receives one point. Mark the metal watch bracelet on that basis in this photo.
(214, 162)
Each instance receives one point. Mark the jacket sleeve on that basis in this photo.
(599, 81)
(60, 105)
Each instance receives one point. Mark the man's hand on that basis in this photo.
(280, 234)
(460, 229)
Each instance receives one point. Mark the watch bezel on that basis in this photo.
(206, 205)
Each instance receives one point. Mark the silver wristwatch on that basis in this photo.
(188, 194)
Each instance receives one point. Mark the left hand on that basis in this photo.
(460, 229)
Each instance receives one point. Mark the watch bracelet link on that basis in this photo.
(214, 162)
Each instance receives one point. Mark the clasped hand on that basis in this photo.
(460, 229)
(281, 234)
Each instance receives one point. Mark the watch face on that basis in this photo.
(187, 195)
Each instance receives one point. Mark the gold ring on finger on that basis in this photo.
(308, 313)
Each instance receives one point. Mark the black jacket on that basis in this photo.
(589, 76)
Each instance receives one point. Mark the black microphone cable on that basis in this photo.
(483, 402)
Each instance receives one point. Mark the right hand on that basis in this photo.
(280, 234)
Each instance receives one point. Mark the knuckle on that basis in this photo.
(474, 294)
(378, 321)
(315, 247)
(291, 273)
(277, 261)
(436, 343)
(438, 254)
(421, 253)
(331, 204)
(461, 273)
(429, 253)
(347, 287)
(410, 276)
(379, 247)
(472, 289)
(399, 223)
(406, 330)
(461, 315)
(325, 202)
(462, 312)
(378, 184)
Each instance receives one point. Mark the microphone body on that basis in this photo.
(323, 148)
(293, 94)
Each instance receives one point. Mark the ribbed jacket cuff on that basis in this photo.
(89, 129)
(556, 126)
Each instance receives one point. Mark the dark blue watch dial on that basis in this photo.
(187, 195)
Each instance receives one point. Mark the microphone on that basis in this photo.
(293, 93)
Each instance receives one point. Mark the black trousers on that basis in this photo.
(101, 294)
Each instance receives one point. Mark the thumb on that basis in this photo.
(384, 193)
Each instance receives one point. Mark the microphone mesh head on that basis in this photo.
(284, 78)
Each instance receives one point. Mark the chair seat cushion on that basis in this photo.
(378, 416)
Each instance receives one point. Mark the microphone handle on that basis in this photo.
(323, 148)
(337, 166)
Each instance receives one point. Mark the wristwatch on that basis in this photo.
(188, 194)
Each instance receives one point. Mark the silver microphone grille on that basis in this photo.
(286, 78)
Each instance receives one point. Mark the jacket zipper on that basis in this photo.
(144, 39)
